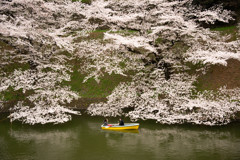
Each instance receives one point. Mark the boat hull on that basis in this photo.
(127, 126)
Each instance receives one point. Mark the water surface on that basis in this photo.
(83, 139)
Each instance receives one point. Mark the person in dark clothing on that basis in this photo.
(105, 122)
(121, 123)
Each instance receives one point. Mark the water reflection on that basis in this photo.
(26, 142)
(121, 131)
(83, 139)
(185, 144)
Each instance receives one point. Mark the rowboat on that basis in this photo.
(118, 127)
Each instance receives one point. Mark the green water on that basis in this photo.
(82, 139)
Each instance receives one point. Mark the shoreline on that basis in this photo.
(148, 121)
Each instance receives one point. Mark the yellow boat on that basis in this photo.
(118, 127)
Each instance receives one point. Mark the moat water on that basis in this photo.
(83, 139)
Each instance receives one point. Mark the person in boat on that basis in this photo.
(105, 122)
(121, 123)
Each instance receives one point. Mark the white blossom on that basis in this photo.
(39, 30)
